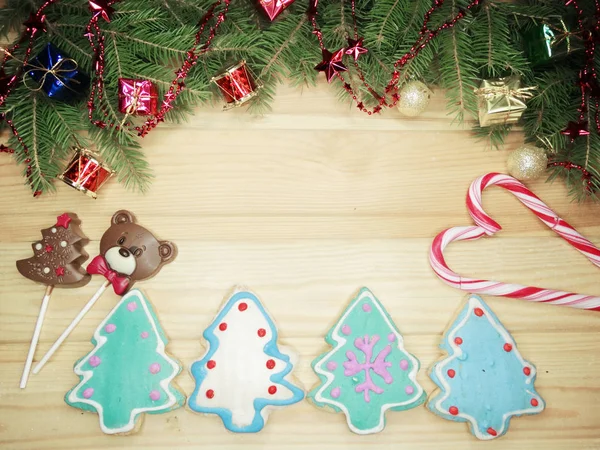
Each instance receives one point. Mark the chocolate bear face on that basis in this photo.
(132, 250)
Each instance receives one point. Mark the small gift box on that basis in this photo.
(237, 85)
(86, 173)
(501, 101)
(272, 8)
(551, 39)
(58, 75)
(137, 97)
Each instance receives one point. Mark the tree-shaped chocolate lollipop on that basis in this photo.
(56, 262)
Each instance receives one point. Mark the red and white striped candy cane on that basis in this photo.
(486, 226)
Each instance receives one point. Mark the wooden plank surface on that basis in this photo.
(305, 206)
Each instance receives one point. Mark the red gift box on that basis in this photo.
(137, 97)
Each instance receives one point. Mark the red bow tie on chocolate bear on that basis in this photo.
(128, 253)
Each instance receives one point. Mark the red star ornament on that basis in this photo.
(576, 129)
(332, 64)
(63, 220)
(60, 271)
(35, 24)
(355, 48)
(102, 8)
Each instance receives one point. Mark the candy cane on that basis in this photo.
(486, 226)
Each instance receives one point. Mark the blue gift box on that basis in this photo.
(59, 76)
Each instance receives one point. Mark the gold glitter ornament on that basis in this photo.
(414, 98)
(527, 163)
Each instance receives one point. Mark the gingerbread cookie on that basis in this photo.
(244, 374)
(128, 372)
(368, 371)
(484, 380)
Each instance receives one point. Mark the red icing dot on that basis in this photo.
(458, 340)
(478, 312)
(211, 364)
(60, 271)
(272, 390)
(223, 326)
(527, 371)
(261, 332)
(243, 306)
(49, 248)
(453, 410)
(491, 431)
(507, 347)
(451, 373)
(210, 393)
(270, 364)
(534, 402)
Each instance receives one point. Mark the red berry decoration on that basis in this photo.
(492, 431)
(451, 373)
(261, 332)
(478, 312)
(453, 410)
(458, 340)
(272, 390)
(210, 393)
(243, 306)
(223, 326)
(527, 371)
(211, 364)
(534, 402)
(507, 347)
(270, 364)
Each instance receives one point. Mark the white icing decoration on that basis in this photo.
(341, 341)
(122, 264)
(38, 246)
(238, 378)
(53, 230)
(475, 303)
(63, 244)
(101, 340)
(46, 269)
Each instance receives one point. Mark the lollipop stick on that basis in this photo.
(71, 327)
(36, 336)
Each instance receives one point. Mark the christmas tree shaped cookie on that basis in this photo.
(367, 371)
(244, 375)
(484, 380)
(128, 372)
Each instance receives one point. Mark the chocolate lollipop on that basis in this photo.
(56, 262)
(128, 253)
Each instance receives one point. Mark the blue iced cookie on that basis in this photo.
(484, 380)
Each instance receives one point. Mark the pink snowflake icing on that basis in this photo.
(379, 365)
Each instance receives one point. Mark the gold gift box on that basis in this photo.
(501, 101)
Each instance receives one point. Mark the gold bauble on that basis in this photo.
(527, 163)
(414, 98)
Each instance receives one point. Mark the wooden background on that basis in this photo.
(305, 206)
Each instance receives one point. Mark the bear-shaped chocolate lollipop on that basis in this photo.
(128, 253)
(56, 262)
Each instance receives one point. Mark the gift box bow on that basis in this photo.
(503, 96)
(137, 94)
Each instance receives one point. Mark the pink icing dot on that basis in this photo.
(332, 365)
(144, 334)
(110, 328)
(335, 392)
(346, 330)
(132, 306)
(391, 337)
(154, 395)
(154, 368)
(409, 390)
(88, 392)
(366, 307)
(95, 361)
(404, 364)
